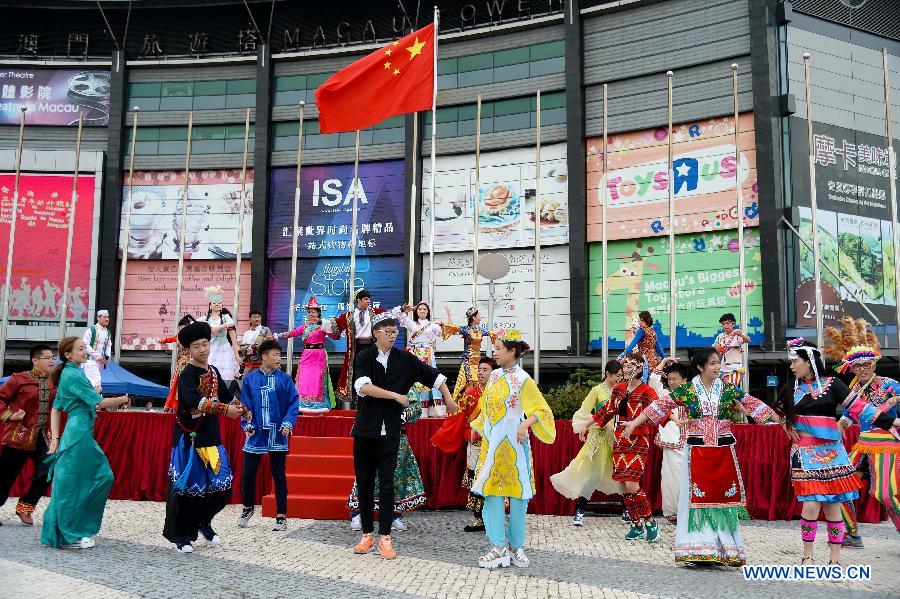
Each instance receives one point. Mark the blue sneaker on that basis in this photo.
(652, 532)
(636, 532)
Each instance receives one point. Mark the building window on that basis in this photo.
(285, 135)
(205, 139)
(498, 115)
(502, 65)
(192, 95)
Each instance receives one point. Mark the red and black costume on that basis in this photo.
(27, 438)
(629, 455)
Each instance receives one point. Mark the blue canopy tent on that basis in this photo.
(118, 381)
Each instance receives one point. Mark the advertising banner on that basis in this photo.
(854, 218)
(326, 210)
(506, 200)
(513, 295)
(54, 96)
(328, 279)
(707, 283)
(213, 215)
(705, 171)
(150, 290)
(39, 255)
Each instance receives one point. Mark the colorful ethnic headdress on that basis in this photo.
(855, 342)
(798, 346)
(313, 303)
(379, 318)
(471, 311)
(509, 335)
(214, 294)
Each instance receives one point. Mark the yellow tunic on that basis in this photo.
(505, 467)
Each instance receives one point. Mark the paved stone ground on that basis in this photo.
(313, 559)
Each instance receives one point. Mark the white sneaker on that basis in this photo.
(186, 548)
(399, 524)
(578, 519)
(498, 557)
(519, 559)
(215, 540)
(83, 543)
(356, 522)
(245, 516)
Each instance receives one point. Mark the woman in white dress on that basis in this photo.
(223, 348)
(422, 336)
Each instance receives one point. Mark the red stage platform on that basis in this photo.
(138, 444)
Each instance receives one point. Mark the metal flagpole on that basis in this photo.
(817, 271)
(476, 215)
(673, 300)
(740, 210)
(603, 199)
(892, 179)
(123, 267)
(412, 211)
(353, 236)
(433, 162)
(537, 243)
(73, 199)
(296, 236)
(12, 242)
(240, 238)
(184, 203)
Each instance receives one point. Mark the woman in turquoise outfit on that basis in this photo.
(80, 473)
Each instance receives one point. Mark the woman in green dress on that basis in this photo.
(80, 473)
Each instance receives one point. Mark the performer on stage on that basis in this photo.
(223, 348)
(625, 404)
(592, 468)
(711, 499)
(646, 341)
(472, 335)
(511, 405)
(269, 395)
(199, 473)
(25, 402)
(457, 429)
(98, 341)
(730, 345)
(78, 468)
(821, 472)
(313, 379)
(180, 362)
(422, 336)
(384, 376)
(357, 324)
(872, 404)
(249, 345)
(671, 438)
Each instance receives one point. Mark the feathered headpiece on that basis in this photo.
(855, 342)
(214, 294)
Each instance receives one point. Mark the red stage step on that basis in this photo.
(320, 476)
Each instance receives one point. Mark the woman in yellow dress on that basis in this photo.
(473, 333)
(591, 469)
(510, 405)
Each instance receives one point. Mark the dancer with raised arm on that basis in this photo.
(646, 341)
(473, 334)
(313, 379)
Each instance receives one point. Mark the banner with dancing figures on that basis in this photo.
(854, 218)
(150, 290)
(506, 200)
(328, 279)
(708, 285)
(514, 293)
(213, 215)
(39, 255)
(705, 171)
(326, 210)
(54, 96)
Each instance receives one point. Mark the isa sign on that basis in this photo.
(326, 210)
(54, 96)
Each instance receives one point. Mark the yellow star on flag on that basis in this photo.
(415, 49)
(396, 72)
(387, 65)
(388, 51)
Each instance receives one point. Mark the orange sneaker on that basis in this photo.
(386, 547)
(365, 545)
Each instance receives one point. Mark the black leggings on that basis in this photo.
(248, 479)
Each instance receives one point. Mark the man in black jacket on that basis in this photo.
(383, 377)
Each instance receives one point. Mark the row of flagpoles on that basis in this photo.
(429, 33)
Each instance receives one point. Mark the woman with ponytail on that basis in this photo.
(81, 475)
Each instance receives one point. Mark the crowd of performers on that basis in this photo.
(492, 414)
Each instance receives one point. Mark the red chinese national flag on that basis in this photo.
(396, 79)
